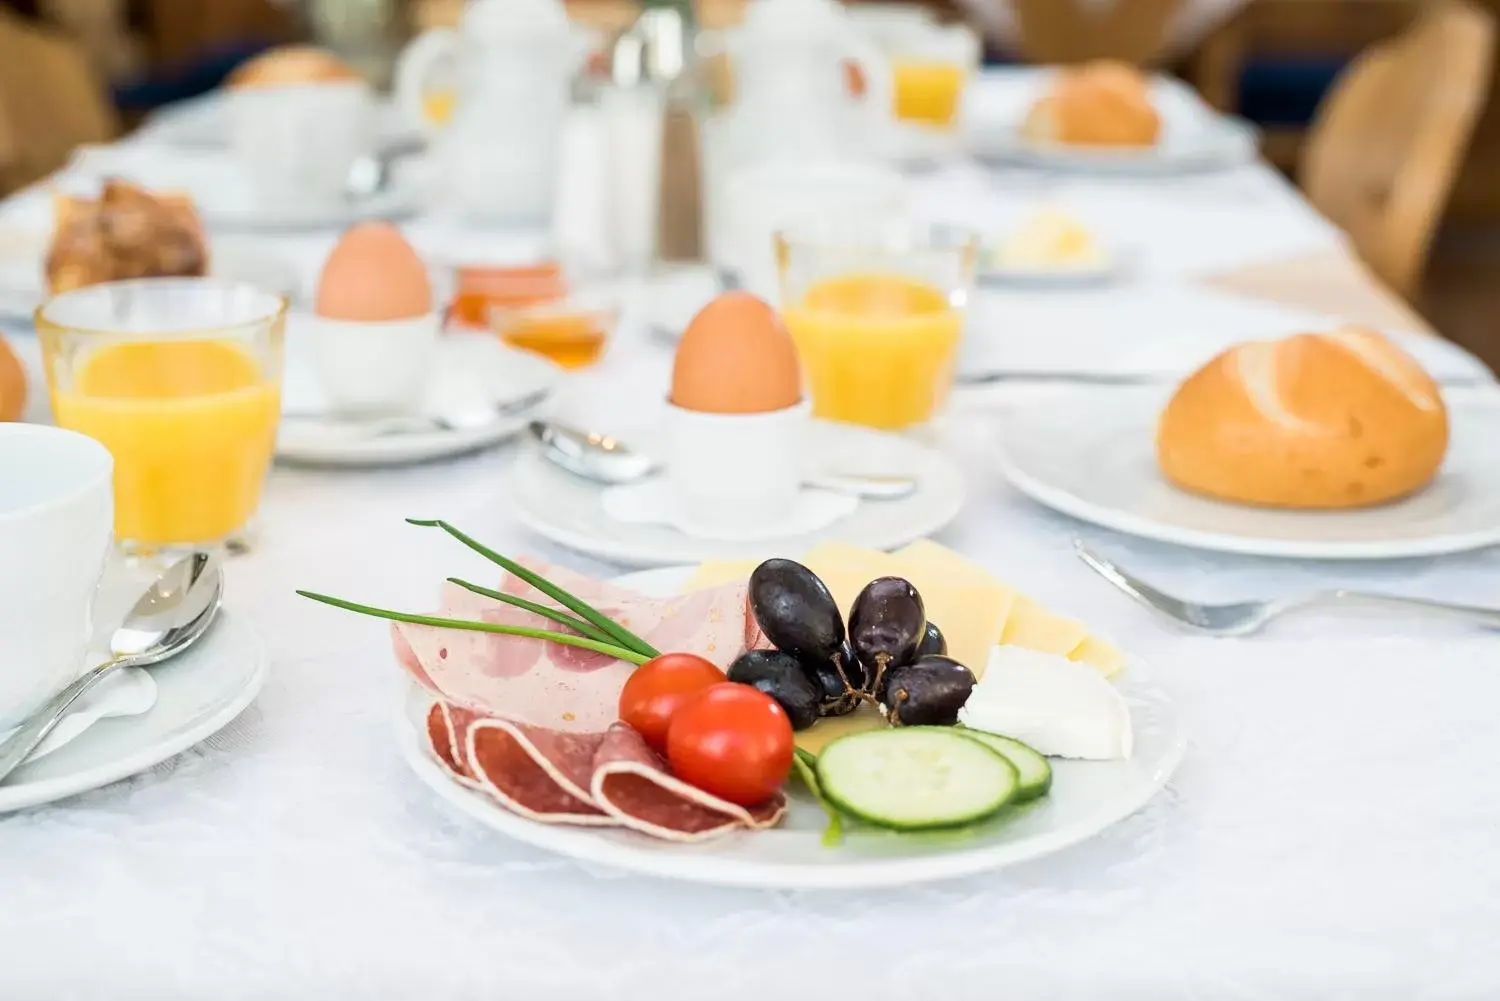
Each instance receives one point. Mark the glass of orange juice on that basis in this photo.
(931, 64)
(876, 310)
(180, 378)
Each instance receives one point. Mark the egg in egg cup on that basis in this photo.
(375, 334)
(736, 418)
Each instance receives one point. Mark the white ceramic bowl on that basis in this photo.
(732, 472)
(374, 368)
(56, 517)
(298, 142)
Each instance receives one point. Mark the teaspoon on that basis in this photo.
(608, 460)
(171, 616)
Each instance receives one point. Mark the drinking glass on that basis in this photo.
(931, 65)
(876, 309)
(180, 378)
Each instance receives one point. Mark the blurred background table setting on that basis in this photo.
(959, 289)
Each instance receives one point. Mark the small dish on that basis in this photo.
(370, 369)
(572, 329)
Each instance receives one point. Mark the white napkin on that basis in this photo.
(1151, 331)
(128, 692)
(653, 502)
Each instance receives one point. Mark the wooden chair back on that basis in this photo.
(1391, 136)
(1075, 31)
(51, 100)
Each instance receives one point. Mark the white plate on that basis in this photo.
(23, 270)
(1111, 266)
(198, 694)
(224, 194)
(1086, 798)
(567, 510)
(203, 123)
(1200, 144)
(1090, 453)
(470, 367)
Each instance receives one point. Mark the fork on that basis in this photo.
(1245, 617)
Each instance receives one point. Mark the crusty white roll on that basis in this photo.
(289, 65)
(1103, 103)
(1337, 420)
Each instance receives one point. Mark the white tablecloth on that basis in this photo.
(1332, 832)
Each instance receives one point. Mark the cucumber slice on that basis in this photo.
(915, 778)
(1035, 772)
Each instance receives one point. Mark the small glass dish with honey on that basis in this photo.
(536, 308)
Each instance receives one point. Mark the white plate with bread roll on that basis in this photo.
(1329, 446)
(1108, 116)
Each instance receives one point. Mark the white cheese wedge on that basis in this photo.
(1060, 707)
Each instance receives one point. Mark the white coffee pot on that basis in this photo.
(792, 89)
(513, 61)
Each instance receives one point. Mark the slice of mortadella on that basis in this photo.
(554, 685)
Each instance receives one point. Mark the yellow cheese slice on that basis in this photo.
(716, 572)
(825, 731)
(1101, 656)
(1033, 627)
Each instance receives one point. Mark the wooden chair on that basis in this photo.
(51, 100)
(1074, 31)
(1390, 138)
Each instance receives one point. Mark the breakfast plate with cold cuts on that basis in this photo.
(848, 718)
(1334, 445)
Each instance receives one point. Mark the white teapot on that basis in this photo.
(514, 61)
(792, 94)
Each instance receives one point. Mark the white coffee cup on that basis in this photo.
(298, 141)
(370, 369)
(735, 472)
(56, 519)
(763, 199)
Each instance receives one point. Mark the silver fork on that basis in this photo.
(1245, 617)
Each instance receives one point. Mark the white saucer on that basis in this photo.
(568, 510)
(1111, 266)
(198, 694)
(1089, 453)
(1201, 143)
(475, 368)
(1087, 797)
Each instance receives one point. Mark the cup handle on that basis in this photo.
(414, 66)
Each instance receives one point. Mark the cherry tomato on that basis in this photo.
(733, 741)
(658, 687)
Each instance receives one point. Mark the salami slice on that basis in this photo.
(632, 785)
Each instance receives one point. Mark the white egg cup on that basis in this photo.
(374, 369)
(733, 472)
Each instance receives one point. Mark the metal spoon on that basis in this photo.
(171, 616)
(370, 174)
(605, 459)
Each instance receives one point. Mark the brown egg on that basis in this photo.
(12, 384)
(373, 275)
(736, 358)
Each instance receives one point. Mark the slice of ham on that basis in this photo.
(609, 778)
(553, 685)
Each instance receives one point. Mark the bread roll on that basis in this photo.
(290, 64)
(1338, 420)
(127, 232)
(1103, 103)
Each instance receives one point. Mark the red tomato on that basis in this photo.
(732, 741)
(658, 687)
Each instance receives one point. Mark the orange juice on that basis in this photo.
(437, 105)
(927, 91)
(191, 425)
(877, 349)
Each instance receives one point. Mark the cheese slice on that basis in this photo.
(1101, 656)
(1033, 627)
(826, 731)
(716, 572)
